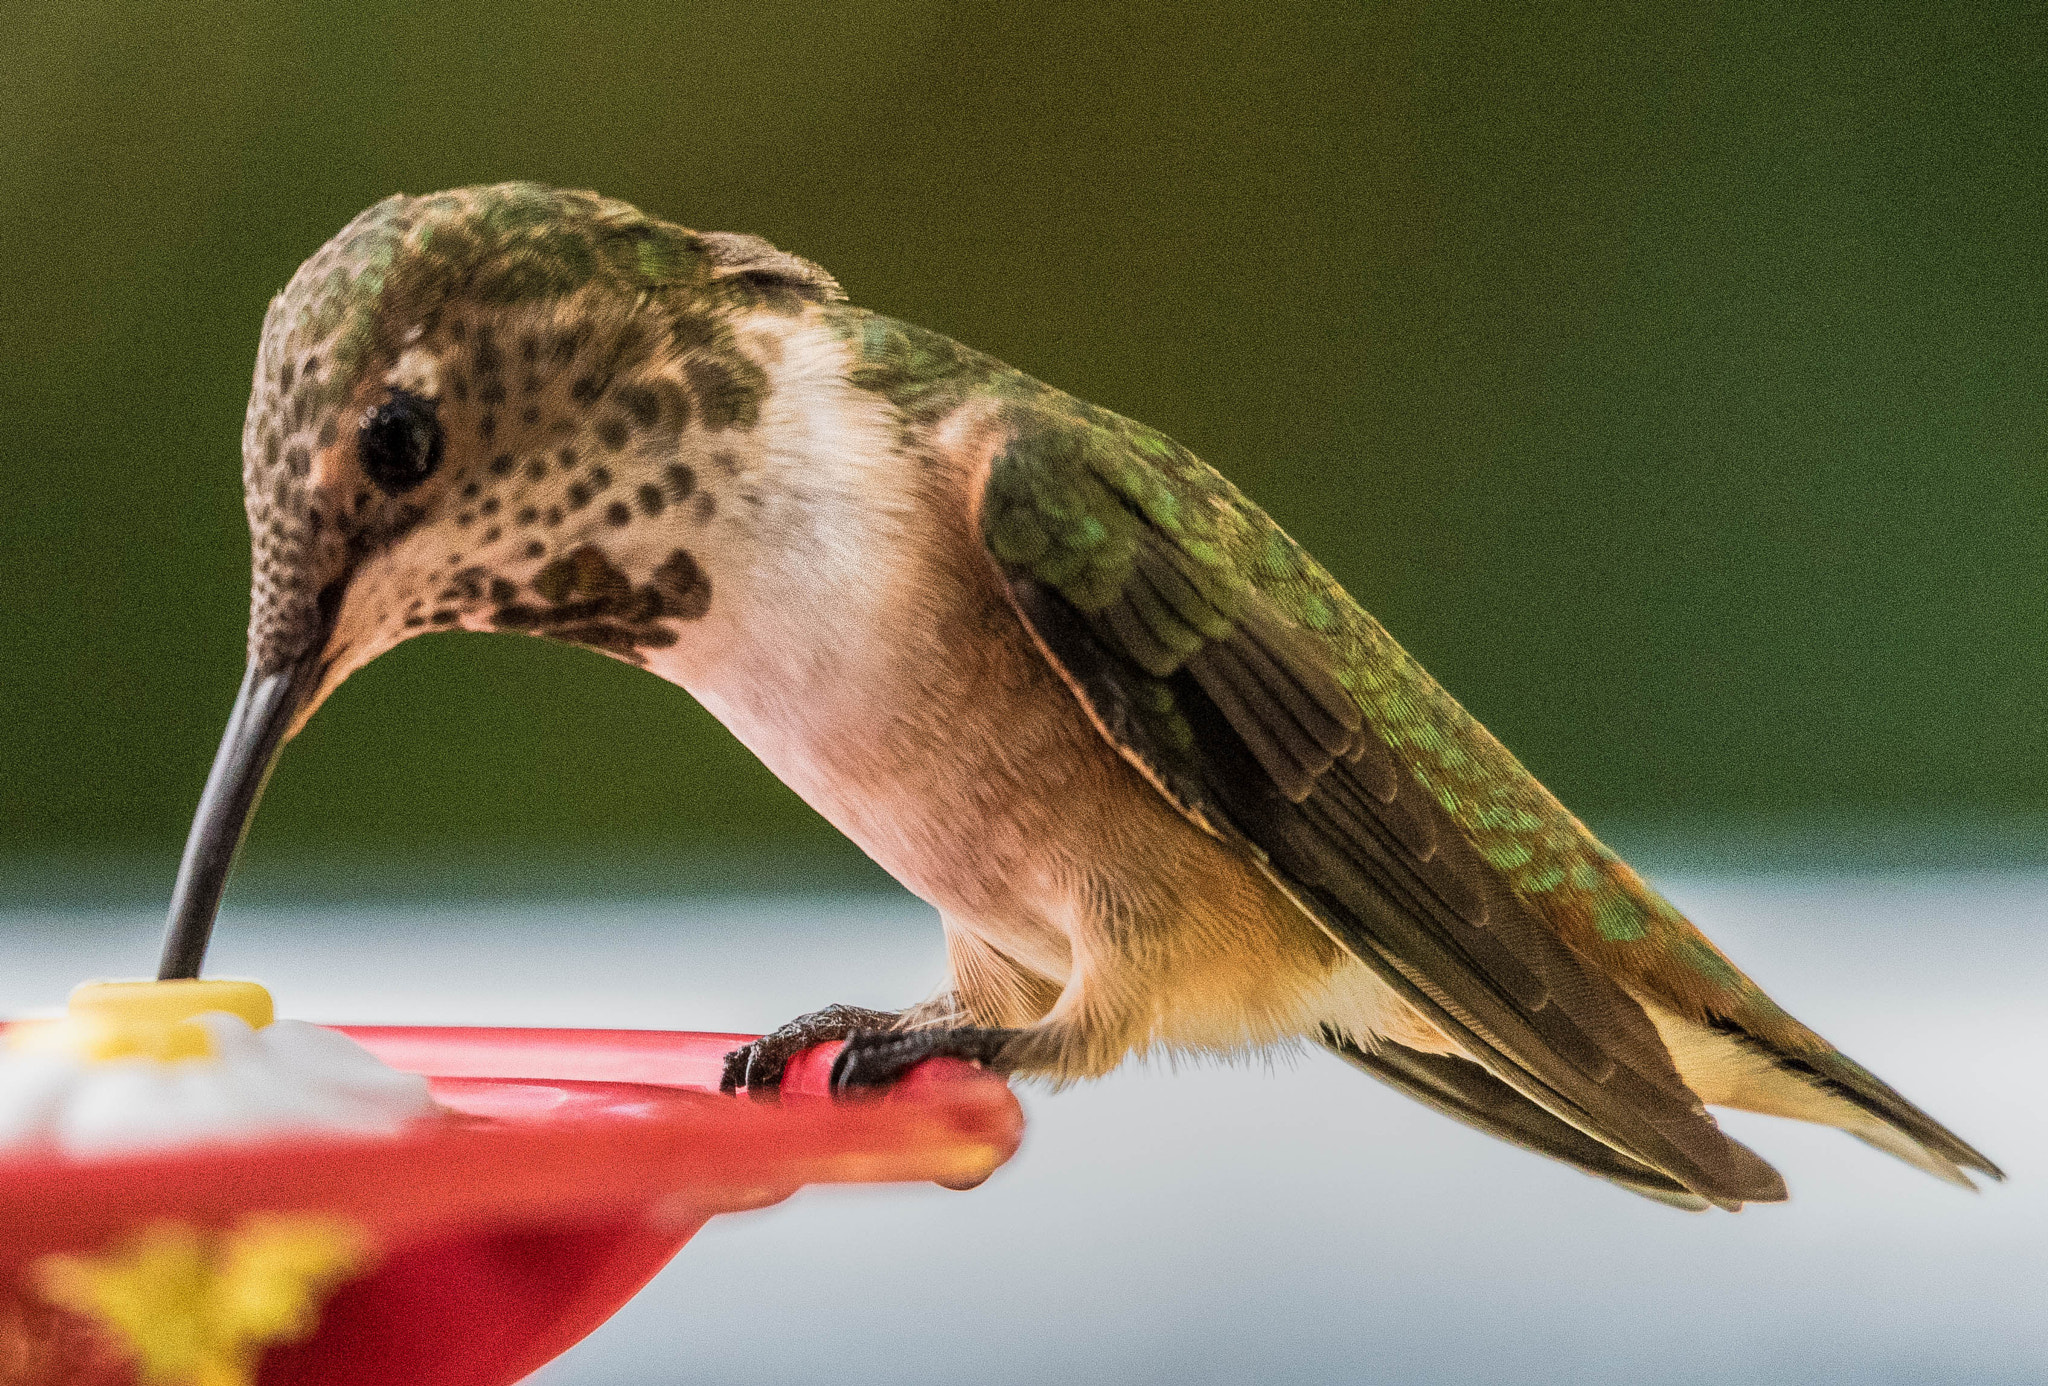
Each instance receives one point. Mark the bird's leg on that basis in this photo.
(757, 1067)
(876, 1059)
(1078, 1038)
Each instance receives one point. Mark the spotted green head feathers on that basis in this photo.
(548, 344)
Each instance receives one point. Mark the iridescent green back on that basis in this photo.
(1094, 478)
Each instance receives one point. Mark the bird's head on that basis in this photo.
(480, 409)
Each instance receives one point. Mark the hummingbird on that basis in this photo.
(1167, 785)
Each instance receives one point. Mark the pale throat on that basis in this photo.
(822, 577)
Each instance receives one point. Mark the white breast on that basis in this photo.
(817, 570)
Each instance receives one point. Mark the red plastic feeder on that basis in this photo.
(467, 1251)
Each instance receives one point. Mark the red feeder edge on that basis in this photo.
(465, 1251)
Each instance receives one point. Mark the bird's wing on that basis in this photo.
(1462, 1089)
(1264, 703)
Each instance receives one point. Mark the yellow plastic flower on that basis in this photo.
(196, 1307)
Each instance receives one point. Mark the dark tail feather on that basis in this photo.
(1884, 1102)
(1895, 1126)
(1462, 1089)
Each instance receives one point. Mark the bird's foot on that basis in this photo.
(877, 1058)
(757, 1067)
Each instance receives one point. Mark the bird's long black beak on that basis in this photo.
(263, 713)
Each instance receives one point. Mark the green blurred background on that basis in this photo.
(1669, 378)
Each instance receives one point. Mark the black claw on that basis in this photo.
(758, 1067)
(876, 1059)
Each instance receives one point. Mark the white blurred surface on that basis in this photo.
(1297, 1224)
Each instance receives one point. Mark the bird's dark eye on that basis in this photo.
(401, 442)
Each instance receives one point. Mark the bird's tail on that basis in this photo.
(1732, 1067)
